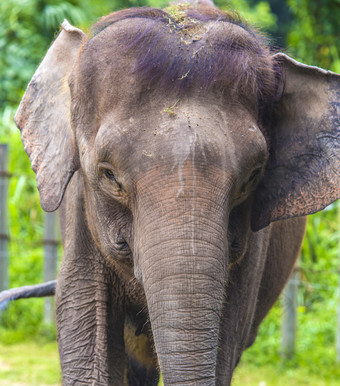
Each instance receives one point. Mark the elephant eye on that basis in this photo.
(254, 177)
(108, 173)
(252, 180)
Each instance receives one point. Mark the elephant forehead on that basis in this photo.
(204, 135)
(125, 64)
(184, 182)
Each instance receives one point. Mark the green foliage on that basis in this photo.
(317, 307)
(26, 30)
(319, 258)
(26, 234)
(314, 35)
(258, 14)
(315, 345)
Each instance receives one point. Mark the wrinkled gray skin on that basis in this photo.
(172, 257)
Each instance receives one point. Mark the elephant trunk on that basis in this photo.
(182, 258)
(185, 308)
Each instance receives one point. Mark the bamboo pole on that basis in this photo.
(338, 323)
(289, 316)
(4, 234)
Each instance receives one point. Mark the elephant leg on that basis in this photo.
(142, 361)
(89, 324)
(283, 250)
(90, 320)
(239, 306)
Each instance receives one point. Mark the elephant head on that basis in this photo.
(190, 137)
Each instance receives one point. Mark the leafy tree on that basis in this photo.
(26, 29)
(314, 33)
(256, 13)
(282, 18)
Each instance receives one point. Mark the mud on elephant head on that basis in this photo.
(174, 141)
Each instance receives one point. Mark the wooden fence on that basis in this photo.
(4, 175)
(51, 238)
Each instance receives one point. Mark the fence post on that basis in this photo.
(338, 324)
(289, 316)
(51, 256)
(4, 236)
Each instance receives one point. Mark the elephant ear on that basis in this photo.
(303, 171)
(43, 118)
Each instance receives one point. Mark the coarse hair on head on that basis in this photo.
(185, 46)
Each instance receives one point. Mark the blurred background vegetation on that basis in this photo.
(306, 29)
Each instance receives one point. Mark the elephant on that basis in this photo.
(183, 154)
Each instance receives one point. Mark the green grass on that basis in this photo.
(32, 364)
(279, 375)
(37, 364)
